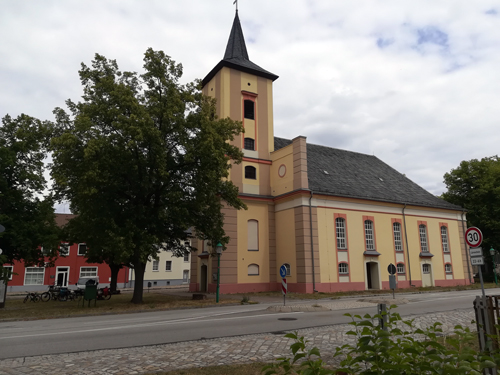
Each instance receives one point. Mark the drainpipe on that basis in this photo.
(312, 240)
(466, 252)
(407, 249)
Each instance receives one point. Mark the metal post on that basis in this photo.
(482, 284)
(218, 278)
(493, 256)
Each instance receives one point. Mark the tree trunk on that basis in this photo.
(115, 268)
(139, 269)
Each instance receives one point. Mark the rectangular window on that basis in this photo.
(185, 276)
(168, 265)
(426, 268)
(398, 244)
(156, 264)
(444, 239)
(249, 109)
(249, 144)
(423, 238)
(343, 269)
(340, 231)
(64, 249)
(8, 270)
(370, 243)
(34, 276)
(447, 268)
(82, 249)
(401, 268)
(187, 244)
(88, 271)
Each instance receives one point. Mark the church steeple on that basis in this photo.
(236, 56)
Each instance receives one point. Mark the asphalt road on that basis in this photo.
(56, 336)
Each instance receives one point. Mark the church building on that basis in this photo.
(335, 219)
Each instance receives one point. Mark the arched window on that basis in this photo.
(249, 109)
(398, 243)
(343, 269)
(253, 235)
(287, 266)
(253, 270)
(422, 229)
(370, 243)
(250, 172)
(401, 268)
(249, 144)
(444, 239)
(340, 231)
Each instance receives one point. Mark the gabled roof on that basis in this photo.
(350, 174)
(236, 56)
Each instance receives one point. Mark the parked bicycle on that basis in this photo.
(104, 293)
(51, 294)
(31, 296)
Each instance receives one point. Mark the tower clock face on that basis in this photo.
(282, 170)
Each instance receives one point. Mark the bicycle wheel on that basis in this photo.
(35, 298)
(45, 297)
(26, 298)
(107, 297)
(63, 297)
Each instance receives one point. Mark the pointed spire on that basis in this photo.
(236, 47)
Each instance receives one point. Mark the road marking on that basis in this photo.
(186, 320)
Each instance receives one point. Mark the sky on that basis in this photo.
(415, 83)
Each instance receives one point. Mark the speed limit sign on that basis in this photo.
(473, 237)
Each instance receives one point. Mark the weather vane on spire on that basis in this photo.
(236, 2)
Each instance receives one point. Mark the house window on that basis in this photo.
(82, 249)
(287, 266)
(340, 231)
(250, 172)
(423, 238)
(8, 270)
(426, 268)
(253, 235)
(185, 276)
(249, 144)
(64, 249)
(253, 270)
(156, 264)
(249, 109)
(168, 265)
(88, 271)
(343, 269)
(444, 239)
(34, 276)
(45, 251)
(370, 243)
(398, 244)
(186, 257)
(447, 268)
(401, 268)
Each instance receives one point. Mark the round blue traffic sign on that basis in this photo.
(283, 271)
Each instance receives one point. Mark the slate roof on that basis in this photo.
(355, 175)
(236, 56)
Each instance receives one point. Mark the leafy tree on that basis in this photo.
(27, 216)
(475, 185)
(141, 159)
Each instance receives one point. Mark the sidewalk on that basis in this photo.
(202, 353)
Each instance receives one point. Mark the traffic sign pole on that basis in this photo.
(474, 238)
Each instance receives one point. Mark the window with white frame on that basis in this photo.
(250, 172)
(44, 251)
(168, 265)
(8, 270)
(287, 267)
(253, 270)
(88, 271)
(34, 276)
(401, 268)
(156, 264)
(426, 268)
(447, 268)
(444, 239)
(423, 238)
(370, 243)
(398, 243)
(185, 276)
(340, 231)
(343, 269)
(186, 257)
(64, 249)
(82, 249)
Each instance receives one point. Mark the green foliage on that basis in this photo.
(141, 159)
(400, 349)
(475, 185)
(27, 216)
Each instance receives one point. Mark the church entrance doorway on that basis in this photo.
(372, 275)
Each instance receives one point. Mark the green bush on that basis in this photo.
(399, 349)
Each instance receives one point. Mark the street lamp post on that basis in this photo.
(218, 250)
(492, 252)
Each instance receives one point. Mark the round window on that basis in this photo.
(282, 170)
